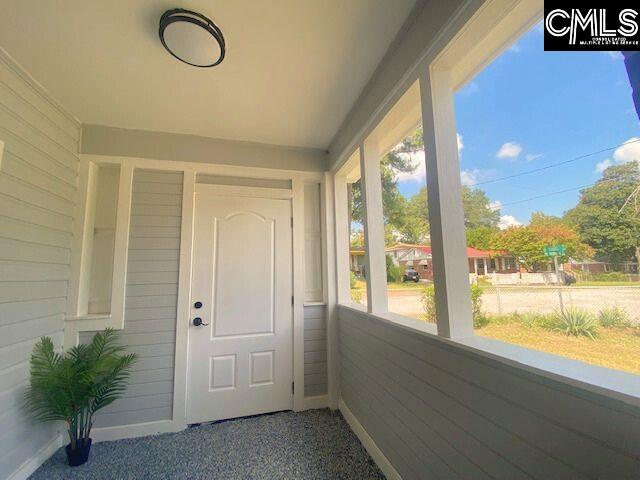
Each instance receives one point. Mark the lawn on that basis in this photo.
(362, 286)
(615, 347)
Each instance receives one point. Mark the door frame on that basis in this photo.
(190, 188)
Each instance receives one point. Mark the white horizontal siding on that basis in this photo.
(315, 351)
(38, 183)
(437, 411)
(150, 308)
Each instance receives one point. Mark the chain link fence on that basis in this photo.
(505, 300)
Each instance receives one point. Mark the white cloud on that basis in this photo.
(468, 178)
(470, 89)
(419, 174)
(628, 152)
(507, 221)
(603, 165)
(530, 157)
(615, 55)
(509, 150)
(495, 205)
(515, 48)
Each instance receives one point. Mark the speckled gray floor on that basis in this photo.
(316, 444)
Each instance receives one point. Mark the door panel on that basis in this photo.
(240, 358)
(241, 267)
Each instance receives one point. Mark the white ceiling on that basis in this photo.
(293, 69)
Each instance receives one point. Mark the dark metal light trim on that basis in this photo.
(181, 15)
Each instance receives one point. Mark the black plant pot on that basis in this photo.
(80, 455)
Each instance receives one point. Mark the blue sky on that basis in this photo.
(531, 108)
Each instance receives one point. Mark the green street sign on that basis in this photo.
(554, 250)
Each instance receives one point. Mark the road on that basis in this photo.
(534, 298)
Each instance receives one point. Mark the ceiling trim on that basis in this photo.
(123, 142)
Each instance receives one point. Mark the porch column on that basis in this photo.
(486, 266)
(475, 266)
(374, 260)
(446, 215)
(343, 255)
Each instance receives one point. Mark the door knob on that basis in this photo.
(198, 322)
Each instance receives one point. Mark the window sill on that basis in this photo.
(613, 384)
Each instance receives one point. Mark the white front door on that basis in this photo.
(241, 356)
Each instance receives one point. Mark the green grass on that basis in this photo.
(614, 347)
(362, 286)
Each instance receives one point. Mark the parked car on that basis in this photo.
(411, 275)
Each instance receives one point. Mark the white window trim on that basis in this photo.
(78, 320)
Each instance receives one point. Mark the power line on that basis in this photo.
(558, 192)
(554, 165)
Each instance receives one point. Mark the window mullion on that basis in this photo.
(375, 265)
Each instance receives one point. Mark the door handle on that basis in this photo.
(198, 322)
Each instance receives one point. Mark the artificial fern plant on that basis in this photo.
(73, 386)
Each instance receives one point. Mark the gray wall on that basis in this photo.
(101, 140)
(437, 411)
(152, 291)
(315, 350)
(38, 179)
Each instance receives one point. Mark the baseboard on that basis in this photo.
(319, 401)
(106, 434)
(376, 454)
(31, 465)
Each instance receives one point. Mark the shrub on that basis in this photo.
(394, 272)
(429, 307)
(534, 319)
(428, 304)
(576, 322)
(614, 317)
(353, 280)
(610, 277)
(357, 296)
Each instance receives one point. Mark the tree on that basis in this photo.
(394, 162)
(601, 221)
(478, 211)
(527, 243)
(482, 237)
(408, 219)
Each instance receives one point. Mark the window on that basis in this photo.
(551, 144)
(409, 263)
(357, 245)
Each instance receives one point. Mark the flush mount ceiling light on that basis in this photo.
(192, 38)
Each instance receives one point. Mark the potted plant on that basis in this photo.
(73, 386)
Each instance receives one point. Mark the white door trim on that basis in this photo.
(240, 191)
(296, 194)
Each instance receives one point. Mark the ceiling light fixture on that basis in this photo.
(192, 38)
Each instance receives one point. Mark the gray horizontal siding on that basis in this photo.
(38, 184)
(152, 295)
(315, 351)
(437, 411)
